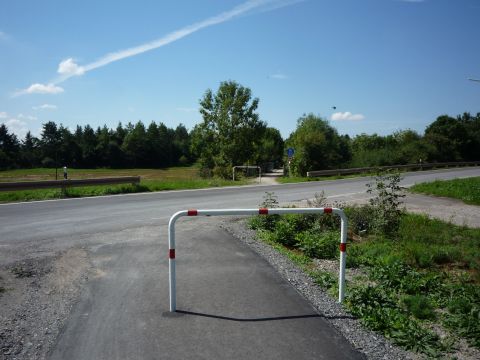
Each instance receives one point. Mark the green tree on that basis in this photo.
(30, 156)
(9, 148)
(89, 147)
(50, 142)
(182, 144)
(231, 130)
(135, 147)
(317, 146)
(449, 137)
(271, 147)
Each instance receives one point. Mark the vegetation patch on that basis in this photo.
(467, 190)
(419, 282)
(179, 178)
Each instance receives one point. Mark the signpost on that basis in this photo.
(290, 153)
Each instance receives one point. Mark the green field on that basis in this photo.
(467, 190)
(177, 178)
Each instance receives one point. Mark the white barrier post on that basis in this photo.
(276, 211)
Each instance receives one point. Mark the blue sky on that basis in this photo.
(385, 64)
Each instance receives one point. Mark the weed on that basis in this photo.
(324, 279)
(419, 306)
(319, 245)
(266, 222)
(386, 203)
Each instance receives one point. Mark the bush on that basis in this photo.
(284, 233)
(360, 219)
(319, 245)
(386, 203)
(266, 222)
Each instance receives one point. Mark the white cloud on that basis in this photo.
(3, 115)
(40, 89)
(18, 127)
(45, 107)
(69, 68)
(27, 117)
(346, 116)
(278, 76)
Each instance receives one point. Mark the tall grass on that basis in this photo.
(467, 190)
(426, 277)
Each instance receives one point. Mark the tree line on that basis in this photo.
(133, 145)
(232, 133)
(318, 145)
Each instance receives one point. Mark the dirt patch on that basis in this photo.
(37, 298)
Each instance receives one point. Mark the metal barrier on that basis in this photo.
(248, 167)
(63, 184)
(276, 211)
(419, 166)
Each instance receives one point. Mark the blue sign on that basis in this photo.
(290, 152)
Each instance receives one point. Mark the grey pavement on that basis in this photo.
(231, 305)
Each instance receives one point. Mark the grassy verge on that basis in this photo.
(419, 288)
(467, 190)
(152, 180)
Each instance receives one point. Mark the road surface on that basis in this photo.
(233, 305)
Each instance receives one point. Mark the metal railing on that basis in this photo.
(276, 211)
(64, 184)
(419, 166)
(248, 167)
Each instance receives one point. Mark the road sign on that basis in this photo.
(290, 152)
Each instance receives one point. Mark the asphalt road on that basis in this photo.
(233, 304)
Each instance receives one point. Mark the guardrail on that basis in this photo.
(421, 166)
(63, 184)
(276, 211)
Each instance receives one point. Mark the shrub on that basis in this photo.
(284, 233)
(386, 203)
(266, 222)
(360, 219)
(319, 245)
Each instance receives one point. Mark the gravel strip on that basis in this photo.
(373, 345)
(39, 294)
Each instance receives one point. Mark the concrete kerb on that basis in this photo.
(276, 211)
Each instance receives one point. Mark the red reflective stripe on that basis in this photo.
(263, 211)
(171, 254)
(343, 247)
(327, 210)
(192, 212)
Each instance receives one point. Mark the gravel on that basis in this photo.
(39, 294)
(373, 345)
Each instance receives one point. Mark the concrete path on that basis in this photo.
(232, 304)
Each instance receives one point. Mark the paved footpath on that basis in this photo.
(232, 305)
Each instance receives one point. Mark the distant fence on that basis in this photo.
(63, 184)
(421, 166)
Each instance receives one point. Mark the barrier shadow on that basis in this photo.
(276, 318)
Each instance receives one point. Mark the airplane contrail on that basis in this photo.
(69, 68)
